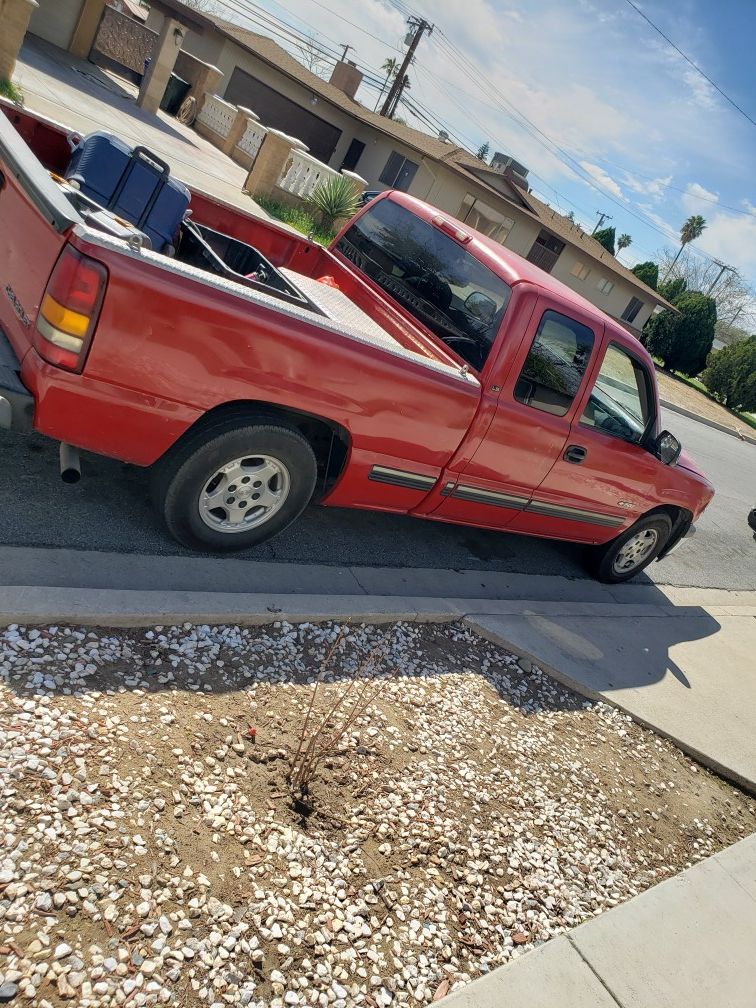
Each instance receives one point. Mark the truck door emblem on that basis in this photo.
(625, 504)
(18, 308)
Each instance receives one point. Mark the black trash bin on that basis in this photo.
(176, 90)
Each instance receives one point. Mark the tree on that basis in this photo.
(390, 67)
(311, 55)
(693, 228)
(731, 375)
(648, 272)
(683, 339)
(736, 302)
(571, 216)
(605, 237)
(623, 241)
(672, 289)
(483, 151)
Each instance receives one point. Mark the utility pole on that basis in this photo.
(736, 316)
(420, 26)
(346, 50)
(403, 85)
(602, 217)
(722, 268)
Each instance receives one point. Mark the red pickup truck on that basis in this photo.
(433, 373)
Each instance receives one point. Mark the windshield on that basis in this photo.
(441, 284)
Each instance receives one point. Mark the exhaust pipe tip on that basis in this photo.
(70, 465)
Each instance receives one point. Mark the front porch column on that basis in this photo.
(86, 28)
(14, 20)
(164, 57)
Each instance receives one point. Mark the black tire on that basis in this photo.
(604, 557)
(179, 477)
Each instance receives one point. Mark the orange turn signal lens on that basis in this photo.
(64, 319)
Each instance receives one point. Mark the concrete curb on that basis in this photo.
(708, 423)
(33, 605)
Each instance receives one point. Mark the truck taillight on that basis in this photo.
(70, 308)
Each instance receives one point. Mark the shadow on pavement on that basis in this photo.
(91, 81)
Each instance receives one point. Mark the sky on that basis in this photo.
(602, 110)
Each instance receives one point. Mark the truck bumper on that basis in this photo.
(16, 402)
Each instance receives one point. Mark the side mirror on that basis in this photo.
(667, 448)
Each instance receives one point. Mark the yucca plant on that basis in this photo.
(335, 199)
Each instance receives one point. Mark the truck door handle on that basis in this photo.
(575, 453)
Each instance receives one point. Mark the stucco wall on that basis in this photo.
(55, 20)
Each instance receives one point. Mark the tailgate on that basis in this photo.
(35, 219)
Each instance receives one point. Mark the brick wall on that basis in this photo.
(123, 41)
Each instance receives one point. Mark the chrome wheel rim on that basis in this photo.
(636, 550)
(244, 493)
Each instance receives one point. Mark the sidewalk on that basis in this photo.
(677, 659)
(686, 943)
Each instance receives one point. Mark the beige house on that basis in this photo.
(258, 74)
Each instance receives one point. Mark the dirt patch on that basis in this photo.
(153, 853)
(680, 394)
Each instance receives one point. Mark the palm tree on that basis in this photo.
(623, 241)
(390, 67)
(693, 228)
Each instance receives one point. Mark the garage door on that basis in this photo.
(55, 20)
(283, 114)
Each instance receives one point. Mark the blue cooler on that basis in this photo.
(132, 183)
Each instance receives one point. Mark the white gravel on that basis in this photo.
(150, 854)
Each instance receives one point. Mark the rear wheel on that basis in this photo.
(230, 487)
(633, 550)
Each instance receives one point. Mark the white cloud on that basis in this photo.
(696, 196)
(602, 178)
(655, 187)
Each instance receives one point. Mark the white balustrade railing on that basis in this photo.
(302, 173)
(252, 139)
(217, 115)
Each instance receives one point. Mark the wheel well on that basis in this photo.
(328, 439)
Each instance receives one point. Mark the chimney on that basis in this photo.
(346, 77)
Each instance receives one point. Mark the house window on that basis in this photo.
(604, 285)
(553, 371)
(545, 251)
(399, 172)
(580, 270)
(628, 315)
(485, 219)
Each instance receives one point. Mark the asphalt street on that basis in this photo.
(109, 511)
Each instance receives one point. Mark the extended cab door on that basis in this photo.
(605, 478)
(531, 422)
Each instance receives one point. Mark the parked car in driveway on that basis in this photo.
(414, 367)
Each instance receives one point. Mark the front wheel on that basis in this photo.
(633, 550)
(230, 487)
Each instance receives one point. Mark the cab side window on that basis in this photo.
(553, 371)
(620, 403)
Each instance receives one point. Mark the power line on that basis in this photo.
(687, 59)
(550, 144)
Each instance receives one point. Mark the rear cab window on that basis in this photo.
(438, 281)
(556, 364)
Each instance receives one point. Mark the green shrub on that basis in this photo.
(296, 217)
(335, 199)
(731, 375)
(683, 339)
(11, 91)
